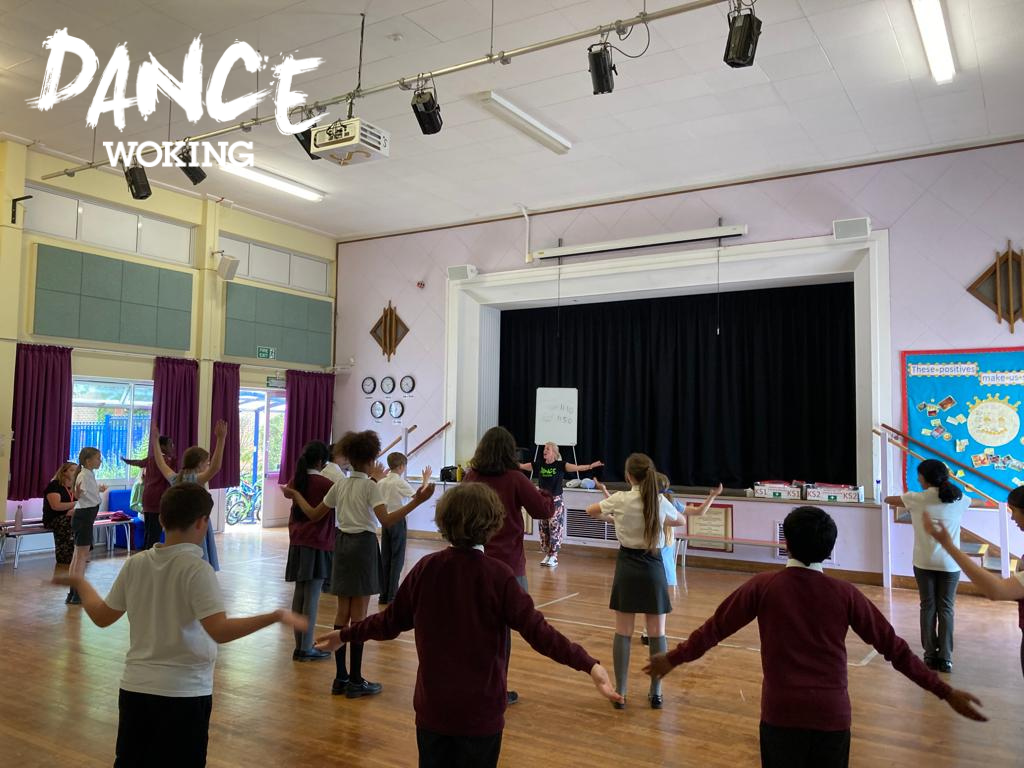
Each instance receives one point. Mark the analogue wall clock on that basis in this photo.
(407, 384)
(396, 409)
(387, 385)
(377, 409)
(369, 385)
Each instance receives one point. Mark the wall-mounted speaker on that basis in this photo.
(851, 229)
(462, 272)
(227, 266)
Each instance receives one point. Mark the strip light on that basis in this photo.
(276, 182)
(931, 23)
(524, 122)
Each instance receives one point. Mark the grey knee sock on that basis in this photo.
(311, 603)
(657, 645)
(620, 662)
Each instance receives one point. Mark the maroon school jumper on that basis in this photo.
(460, 601)
(303, 533)
(154, 484)
(802, 617)
(515, 492)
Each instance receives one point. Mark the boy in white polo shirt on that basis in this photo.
(177, 618)
(396, 491)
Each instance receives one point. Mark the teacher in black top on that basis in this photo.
(58, 506)
(550, 474)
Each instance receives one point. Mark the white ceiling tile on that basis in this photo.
(754, 97)
(450, 19)
(685, 87)
(809, 87)
(891, 136)
(843, 146)
(857, 67)
(702, 25)
(704, 56)
(784, 37)
(798, 63)
(853, 21)
(812, 7)
(729, 79)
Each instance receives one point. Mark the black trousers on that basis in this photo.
(184, 723)
(803, 748)
(938, 594)
(392, 555)
(440, 751)
(153, 529)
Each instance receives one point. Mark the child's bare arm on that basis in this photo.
(102, 615)
(224, 630)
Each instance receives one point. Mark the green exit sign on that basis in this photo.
(266, 353)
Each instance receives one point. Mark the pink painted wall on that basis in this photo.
(946, 216)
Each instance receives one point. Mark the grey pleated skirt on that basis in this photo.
(307, 564)
(640, 585)
(357, 569)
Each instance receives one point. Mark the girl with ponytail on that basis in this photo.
(640, 585)
(311, 545)
(936, 571)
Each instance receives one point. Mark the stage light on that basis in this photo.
(195, 174)
(935, 36)
(744, 29)
(427, 111)
(602, 71)
(138, 184)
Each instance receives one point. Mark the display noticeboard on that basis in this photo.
(965, 403)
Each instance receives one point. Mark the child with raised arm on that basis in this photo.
(803, 617)
(992, 586)
(177, 619)
(460, 601)
(396, 492)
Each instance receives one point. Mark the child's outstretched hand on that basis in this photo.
(294, 620)
(329, 642)
(288, 492)
(937, 530)
(423, 493)
(716, 492)
(604, 686)
(220, 429)
(425, 474)
(659, 666)
(64, 580)
(377, 471)
(961, 702)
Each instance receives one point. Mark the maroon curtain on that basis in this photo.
(42, 418)
(176, 400)
(225, 406)
(309, 408)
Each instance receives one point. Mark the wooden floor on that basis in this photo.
(58, 703)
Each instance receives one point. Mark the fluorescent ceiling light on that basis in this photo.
(523, 121)
(277, 182)
(934, 34)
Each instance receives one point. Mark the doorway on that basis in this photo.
(260, 437)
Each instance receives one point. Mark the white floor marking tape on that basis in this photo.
(558, 600)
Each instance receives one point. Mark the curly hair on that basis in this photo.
(495, 453)
(469, 514)
(360, 448)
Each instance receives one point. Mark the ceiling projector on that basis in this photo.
(348, 142)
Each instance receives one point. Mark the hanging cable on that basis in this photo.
(359, 71)
(492, 29)
(718, 285)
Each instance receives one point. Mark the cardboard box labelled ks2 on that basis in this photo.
(833, 493)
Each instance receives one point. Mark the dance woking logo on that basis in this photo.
(187, 93)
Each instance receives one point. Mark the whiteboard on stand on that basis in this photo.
(555, 422)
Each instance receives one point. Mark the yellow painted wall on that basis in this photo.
(18, 266)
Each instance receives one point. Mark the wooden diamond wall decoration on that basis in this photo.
(389, 331)
(1001, 286)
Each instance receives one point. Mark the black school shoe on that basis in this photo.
(943, 666)
(656, 700)
(512, 697)
(931, 662)
(355, 690)
(313, 655)
(338, 686)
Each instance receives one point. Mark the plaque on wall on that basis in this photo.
(716, 523)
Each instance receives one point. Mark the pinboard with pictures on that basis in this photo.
(965, 404)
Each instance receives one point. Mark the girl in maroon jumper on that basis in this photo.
(495, 464)
(803, 617)
(311, 544)
(460, 602)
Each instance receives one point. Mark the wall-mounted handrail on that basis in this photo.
(433, 434)
(396, 441)
(954, 478)
(948, 459)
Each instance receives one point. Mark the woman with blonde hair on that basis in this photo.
(550, 474)
(639, 514)
(58, 507)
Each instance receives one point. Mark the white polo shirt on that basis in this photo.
(928, 553)
(87, 490)
(353, 499)
(627, 511)
(332, 472)
(396, 491)
(167, 591)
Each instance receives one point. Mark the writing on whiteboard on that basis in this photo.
(556, 415)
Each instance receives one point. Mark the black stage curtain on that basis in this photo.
(760, 387)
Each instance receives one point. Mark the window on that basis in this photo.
(114, 417)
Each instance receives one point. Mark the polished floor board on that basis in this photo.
(58, 701)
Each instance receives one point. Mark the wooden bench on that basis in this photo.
(683, 538)
(11, 530)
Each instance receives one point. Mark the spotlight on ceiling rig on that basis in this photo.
(138, 184)
(195, 174)
(602, 70)
(744, 29)
(427, 110)
(305, 139)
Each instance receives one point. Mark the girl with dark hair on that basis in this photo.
(495, 464)
(991, 585)
(311, 543)
(640, 585)
(937, 573)
(356, 571)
